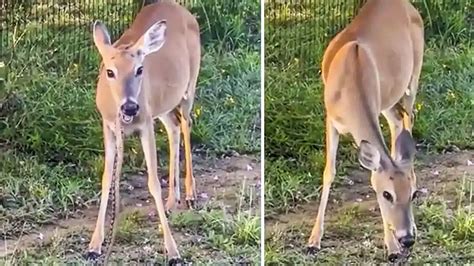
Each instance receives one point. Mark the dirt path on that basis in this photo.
(435, 174)
(217, 180)
(353, 224)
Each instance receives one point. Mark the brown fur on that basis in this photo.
(164, 39)
(370, 68)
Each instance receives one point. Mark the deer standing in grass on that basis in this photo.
(150, 72)
(372, 67)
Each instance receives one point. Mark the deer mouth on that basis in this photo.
(127, 119)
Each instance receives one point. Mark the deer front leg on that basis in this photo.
(147, 138)
(171, 123)
(190, 185)
(332, 141)
(110, 154)
(393, 247)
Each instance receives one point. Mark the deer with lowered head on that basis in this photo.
(372, 67)
(149, 73)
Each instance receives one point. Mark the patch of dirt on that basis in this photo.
(437, 174)
(353, 225)
(218, 180)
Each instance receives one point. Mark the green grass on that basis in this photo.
(213, 235)
(445, 234)
(51, 146)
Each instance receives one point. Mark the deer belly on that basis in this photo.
(165, 100)
(340, 127)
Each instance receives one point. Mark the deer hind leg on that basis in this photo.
(147, 138)
(171, 123)
(406, 105)
(186, 124)
(408, 100)
(394, 117)
(95, 244)
(332, 142)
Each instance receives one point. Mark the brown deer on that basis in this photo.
(372, 67)
(150, 72)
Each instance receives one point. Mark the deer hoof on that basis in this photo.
(312, 250)
(175, 262)
(393, 257)
(191, 203)
(92, 256)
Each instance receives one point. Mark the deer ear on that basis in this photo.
(153, 39)
(405, 147)
(101, 36)
(369, 156)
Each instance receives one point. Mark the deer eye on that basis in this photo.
(139, 71)
(110, 74)
(387, 196)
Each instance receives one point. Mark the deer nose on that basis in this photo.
(129, 108)
(407, 241)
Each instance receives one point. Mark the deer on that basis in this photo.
(150, 73)
(372, 67)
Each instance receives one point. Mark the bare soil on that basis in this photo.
(218, 181)
(353, 219)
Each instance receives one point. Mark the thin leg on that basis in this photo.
(171, 124)
(332, 141)
(409, 99)
(391, 243)
(394, 117)
(190, 184)
(110, 153)
(147, 138)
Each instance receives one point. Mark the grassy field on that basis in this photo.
(294, 142)
(51, 153)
